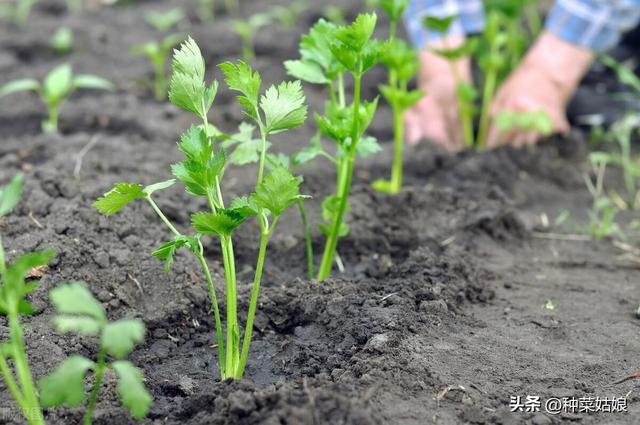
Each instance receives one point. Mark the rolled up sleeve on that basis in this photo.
(593, 24)
(470, 18)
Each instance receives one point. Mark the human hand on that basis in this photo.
(545, 80)
(436, 116)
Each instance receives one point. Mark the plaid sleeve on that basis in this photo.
(470, 20)
(593, 24)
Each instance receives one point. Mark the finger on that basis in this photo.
(413, 128)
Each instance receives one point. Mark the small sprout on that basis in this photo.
(288, 15)
(535, 121)
(549, 305)
(164, 21)
(603, 211)
(57, 86)
(206, 10)
(80, 313)
(75, 6)
(401, 62)
(334, 14)
(62, 41)
(280, 108)
(246, 30)
(158, 53)
(17, 11)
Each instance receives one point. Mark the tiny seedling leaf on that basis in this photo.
(167, 250)
(440, 25)
(120, 337)
(58, 83)
(247, 148)
(81, 325)
(134, 396)
(65, 386)
(223, 223)
(26, 84)
(118, 197)
(86, 81)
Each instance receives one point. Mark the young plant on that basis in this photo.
(17, 11)
(206, 10)
(62, 41)
(401, 62)
(164, 21)
(280, 108)
(75, 6)
(622, 133)
(158, 53)
(288, 15)
(466, 93)
(328, 52)
(246, 30)
(80, 313)
(57, 86)
(603, 211)
(13, 292)
(534, 121)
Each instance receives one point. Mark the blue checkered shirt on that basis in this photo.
(593, 24)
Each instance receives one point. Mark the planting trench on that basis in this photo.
(438, 317)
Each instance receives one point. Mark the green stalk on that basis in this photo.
(263, 155)
(341, 96)
(216, 312)
(33, 411)
(487, 99)
(12, 385)
(93, 398)
(255, 292)
(232, 355)
(344, 188)
(3, 264)
(308, 238)
(50, 125)
(398, 149)
(164, 219)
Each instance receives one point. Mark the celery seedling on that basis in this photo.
(57, 86)
(164, 21)
(328, 51)
(80, 313)
(603, 211)
(466, 93)
(17, 11)
(158, 53)
(206, 10)
(62, 41)
(287, 15)
(535, 121)
(401, 62)
(13, 303)
(246, 30)
(280, 108)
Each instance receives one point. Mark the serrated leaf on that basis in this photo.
(309, 153)
(356, 35)
(187, 89)
(10, 194)
(13, 289)
(118, 197)
(65, 386)
(133, 394)
(163, 21)
(58, 83)
(466, 49)
(167, 250)
(15, 86)
(329, 211)
(278, 160)
(368, 146)
(279, 190)
(246, 148)
(222, 223)
(81, 325)
(75, 299)
(149, 190)
(120, 337)
(393, 8)
(195, 145)
(242, 78)
(284, 107)
(199, 178)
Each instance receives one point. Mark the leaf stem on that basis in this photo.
(164, 219)
(398, 150)
(12, 385)
(95, 389)
(308, 238)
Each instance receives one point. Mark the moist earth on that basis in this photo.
(438, 316)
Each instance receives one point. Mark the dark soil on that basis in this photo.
(438, 317)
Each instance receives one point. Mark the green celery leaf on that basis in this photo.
(13, 289)
(75, 299)
(222, 223)
(167, 250)
(118, 197)
(10, 194)
(393, 8)
(284, 107)
(164, 21)
(65, 386)
(195, 145)
(368, 145)
(247, 148)
(329, 211)
(198, 178)
(309, 153)
(187, 88)
(134, 396)
(440, 25)
(466, 49)
(242, 78)
(279, 190)
(308, 71)
(119, 337)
